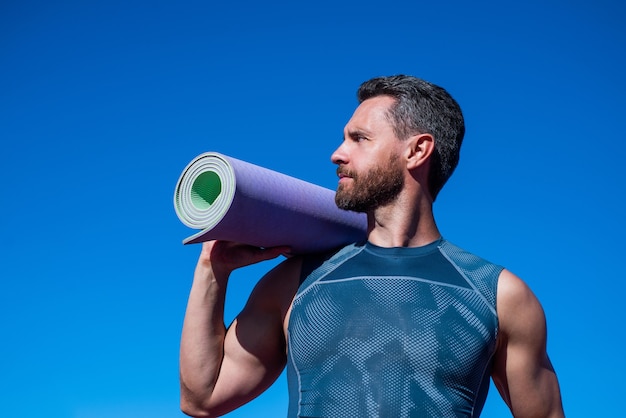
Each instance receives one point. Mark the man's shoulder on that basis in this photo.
(460, 255)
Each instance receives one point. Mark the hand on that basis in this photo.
(224, 256)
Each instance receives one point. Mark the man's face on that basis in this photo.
(369, 165)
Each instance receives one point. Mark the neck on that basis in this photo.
(403, 225)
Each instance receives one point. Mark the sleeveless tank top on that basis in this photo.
(393, 332)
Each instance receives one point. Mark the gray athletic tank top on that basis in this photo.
(393, 332)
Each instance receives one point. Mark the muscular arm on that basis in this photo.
(522, 372)
(222, 369)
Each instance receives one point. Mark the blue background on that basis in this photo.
(102, 104)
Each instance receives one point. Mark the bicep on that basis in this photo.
(255, 344)
(522, 370)
(254, 356)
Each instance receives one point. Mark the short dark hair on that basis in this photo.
(422, 107)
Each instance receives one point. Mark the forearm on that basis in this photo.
(202, 341)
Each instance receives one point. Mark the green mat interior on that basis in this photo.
(205, 189)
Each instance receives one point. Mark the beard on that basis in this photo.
(370, 190)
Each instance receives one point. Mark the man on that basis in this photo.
(402, 325)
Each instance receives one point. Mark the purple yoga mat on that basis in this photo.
(229, 199)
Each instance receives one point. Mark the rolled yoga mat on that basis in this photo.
(229, 199)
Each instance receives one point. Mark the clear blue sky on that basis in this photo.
(103, 103)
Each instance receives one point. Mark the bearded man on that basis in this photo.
(403, 324)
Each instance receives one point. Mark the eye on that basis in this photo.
(358, 137)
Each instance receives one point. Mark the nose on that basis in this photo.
(339, 156)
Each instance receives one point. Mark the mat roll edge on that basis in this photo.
(229, 199)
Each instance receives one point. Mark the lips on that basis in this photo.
(343, 173)
(344, 177)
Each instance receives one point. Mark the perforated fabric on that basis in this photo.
(393, 332)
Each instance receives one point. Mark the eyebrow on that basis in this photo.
(354, 133)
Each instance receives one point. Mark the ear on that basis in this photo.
(419, 149)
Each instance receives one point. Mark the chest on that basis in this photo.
(386, 323)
